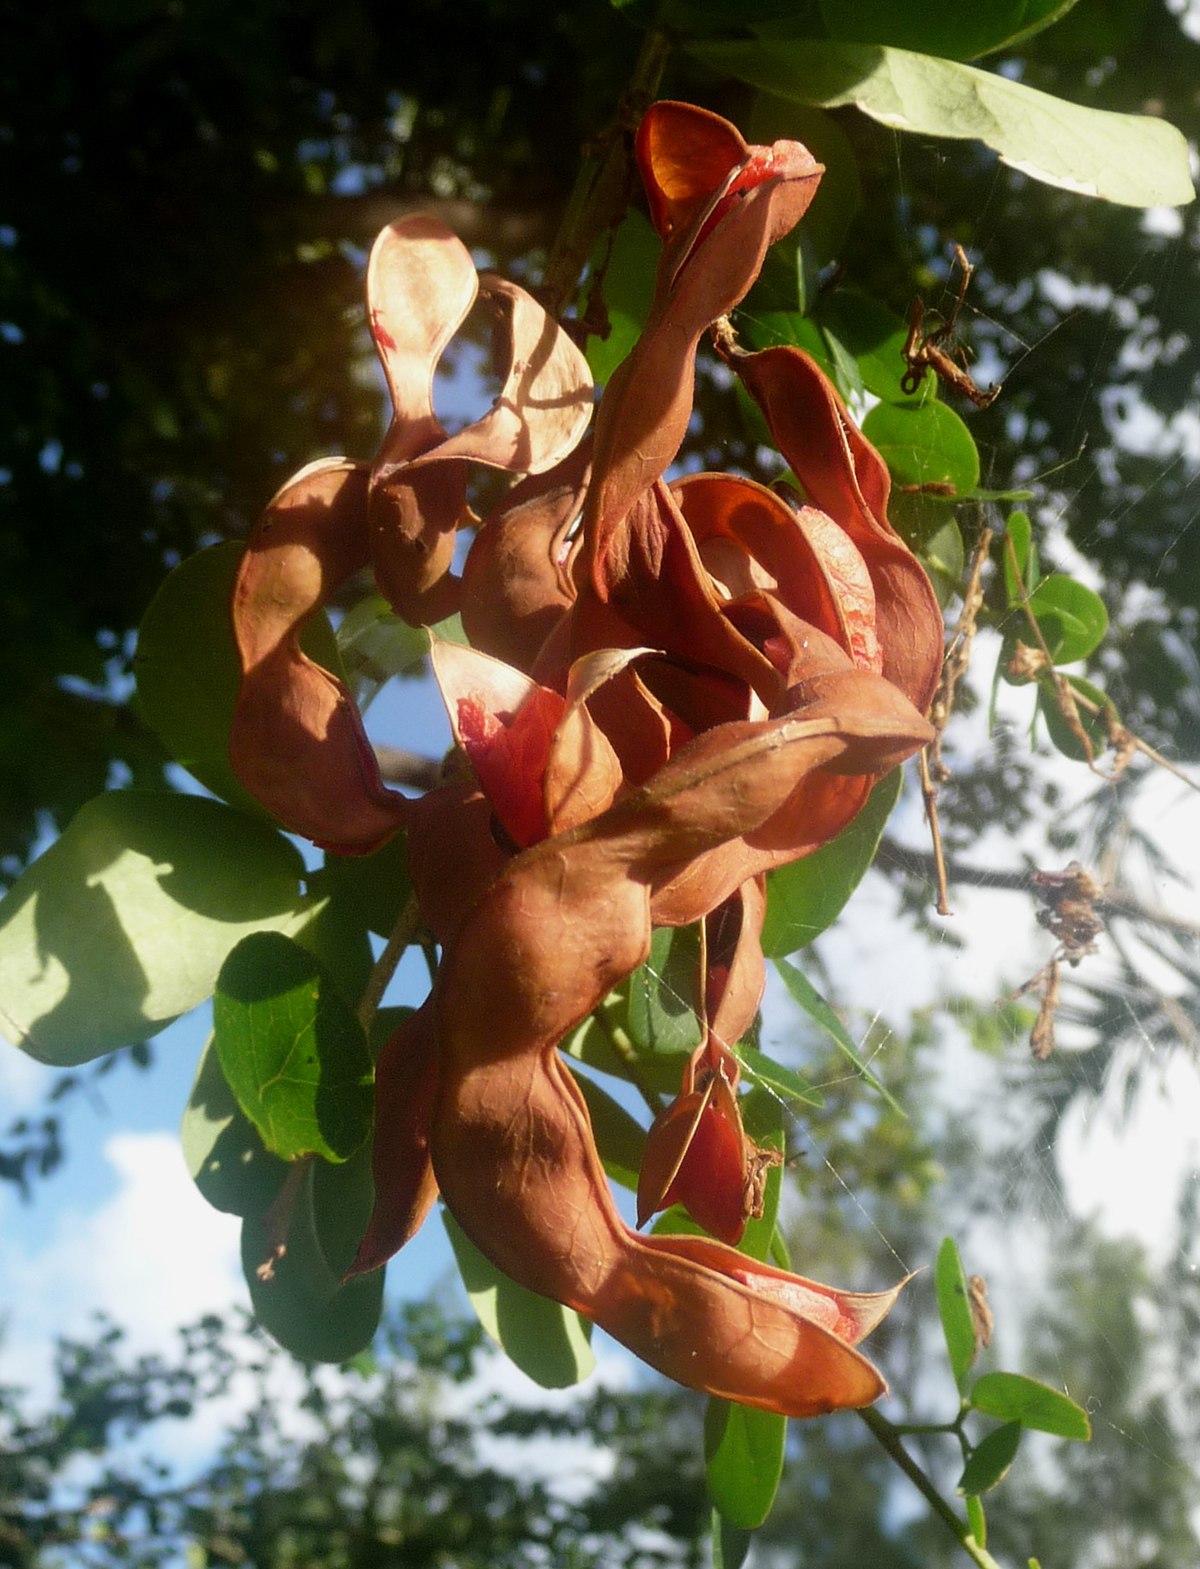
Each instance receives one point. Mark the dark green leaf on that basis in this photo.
(1134, 159)
(1014, 1398)
(376, 885)
(924, 444)
(833, 208)
(548, 1342)
(805, 993)
(805, 898)
(954, 1308)
(292, 1051)
(929, 526)
(955, 32)
(743, 1456)
(763, 1119)
(124, 922)
(619, 1138)
(1072, 618)
(222, 1149)
(661, 1015)
(188, 700)
(375, 644)
(304, 1303)
(991, 1459)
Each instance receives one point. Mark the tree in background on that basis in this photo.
(147, 417)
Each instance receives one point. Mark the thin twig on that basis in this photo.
(930, 793)
(403, 933)
(887, 1436)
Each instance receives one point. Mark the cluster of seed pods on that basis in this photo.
(671, 688)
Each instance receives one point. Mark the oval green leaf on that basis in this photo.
(1061, 733)
(743, 1461)
(661, 1013)
(955, 32)
(300, 1299)
(954, 1309)
(1020, 559)
(805, 898)
(1133, 159)
(124, 922)
(292, 1052)
(620, 1139)
(875, 336)
(990, 1460)
(924, 444)
(1014, 1398)
(223, 1152)
(188, 701)
(1073, 619)
(548, 1342)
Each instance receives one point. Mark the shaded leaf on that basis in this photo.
(805, 898)
(954, 1309)
(955, 32)
(661, 1015)
(991, 1459)
(619, 1137)
(221, 1147)
(730, 1546)
(548, 1342)
(1132, 159)
(1060, 732)
(292, 1051)
(875, 336)
(304, 1304)
(124, 922)
(1014, 1398)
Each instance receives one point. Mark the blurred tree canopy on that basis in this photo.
(188, 192)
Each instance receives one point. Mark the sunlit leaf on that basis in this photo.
(1072, 618)
(805, 898)
(924, 444)
(124, 922)
(743, 1458)
(977, 1519)
(292, 1051)
(628, 290)
(1133, 159)
(1014, 1398)
(548, 1342)
(300, 1298)
(765, 1070)
(991, 1459)
(805, 993)
(954, 1309)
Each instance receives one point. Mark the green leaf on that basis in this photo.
(924, 444)
(221, 1147)
(628, 290)
(990, 1460)
(929, 526)
(1132, 159)
(1072, 618)
(304, 1303)
(955, 32)
(186, 699)
(375, 645)
(1060, 732)
(837, 200)
(620, 1139)
(376, 885)
(124, 922)
(876, 337)
(954, 1309)
(292, 1051)
(762, 1117)
(730, 1546)
(805, 993)
(743, 1459)
(761, 1069)
(1014, 1398)
(1021, 561)
(548, 1342)
(661, 1014)
(805, 898)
